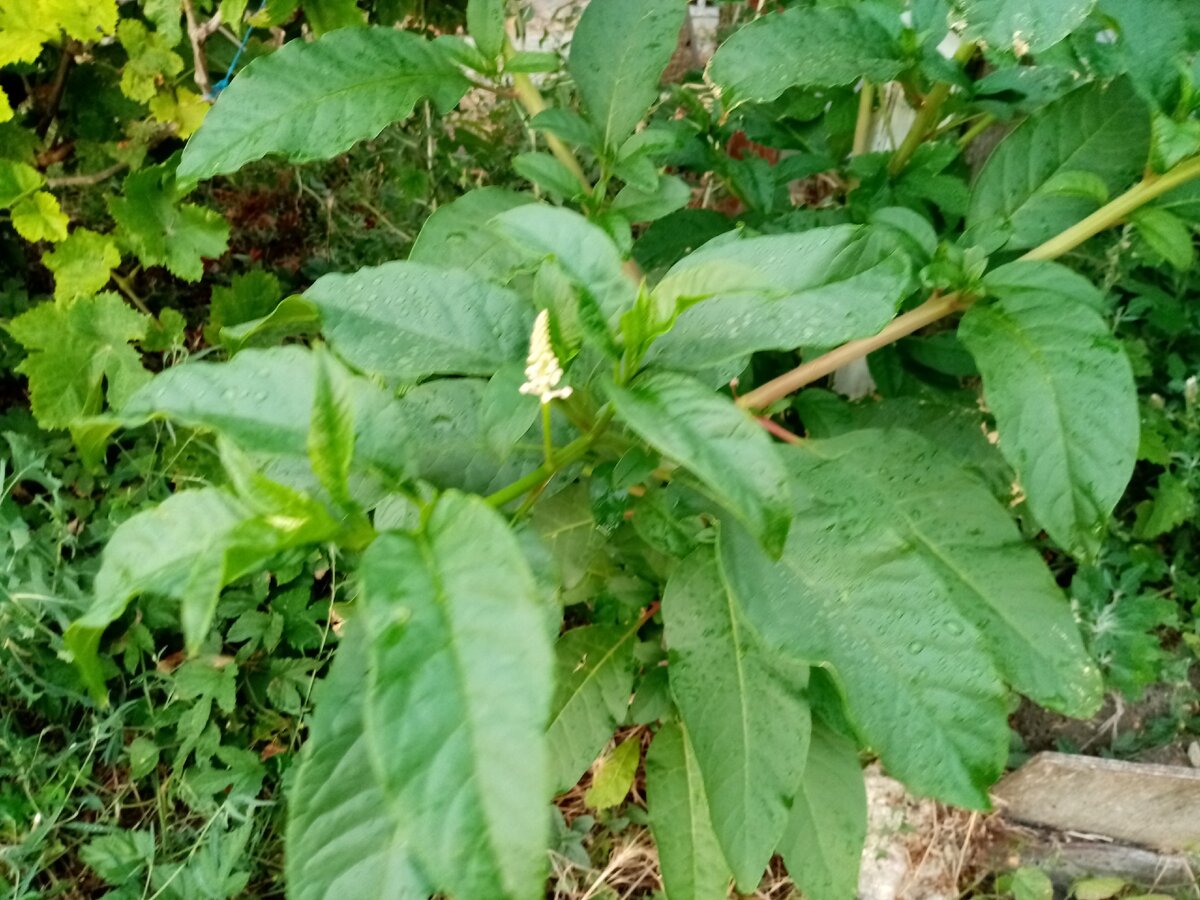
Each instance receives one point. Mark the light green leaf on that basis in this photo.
(720, 444)
(1171, 505)
(407, 320)
(890, 603)
(331, 427)
(745, 713)
(619, 51)
(75, 348)
(263, 401)
(1098, 888)
(38, 217)
(82, 264)
(16, 181)
(1167, 235)
(689, 856)
(533, 61)
(457, 234)
(778, 292)
(1074, 448)
(614, 776)
(329, 15)
(823, 844)
(313, 101)
(1031, 25)
(161, 231)
(458, 696)
(802, 47)
(1077, 184)
(187, 549)
(1102, 131)
(485, 23)
(151, 60)
(892, 488)
(1029, 883)
(549, 174)
(595, 679)
(636, 205)
(342, 839)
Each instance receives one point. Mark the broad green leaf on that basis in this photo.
(614, 776)
(331, 428)
(460, 688)
(778, 292)
(342, 839)
(745, 713)
(329, 15)
(456, 234)
(1029, 883)
(38, 217)
(549, 174)
(802, 47)
(903, 490)
(1074, 448)
(689, 856)
(485, 22)
(82, 264)
(1102, 131)
(75, 349)
(566, 124)
(720, 444)
(407, 320)
(263, 401)
(823, 844)
(1167, 235)
(847, 589)
(618, 52)
(595, 679)
(636, 205)
(313, 101)
(505, 413)
(1027, 25)
(1098, 888)
(187, 549)
(1042, 277)
(161, 231)
(17, 180)
(581, 250)
(6, 110)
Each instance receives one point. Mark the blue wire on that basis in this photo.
(224, 82)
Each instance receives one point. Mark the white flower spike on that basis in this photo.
(543, 372)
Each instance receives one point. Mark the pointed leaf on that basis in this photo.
(1102, 131)
(1074, 449)
(457, 704)
(720, 444)
(331, 428)
(614, 776)
(342, 839)
(802, 47)
(619, 50)
(313, 101)
(689, 856)
(823, 844)
(1032, 25)
(456, 234)
(745, 713)
(485, 22)
(595, 679)
(408, 321)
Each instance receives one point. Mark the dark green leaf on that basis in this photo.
(720, 444)
(670, 194)
(457, 234)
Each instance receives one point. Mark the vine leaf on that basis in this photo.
(82, 264)
(618, 53)
(459, 691)
(75, 348)
(803, 47)
(720, 444)
(689, 856)
(1029, 25)
(1075, 448)
(329, 15)
(931, 701)
(778, 292)
(823, 843)
(342, 839)
(38, 217)
(595, 678)
(745, 712)
(1105, 132)
(408, 320)
(312, 101)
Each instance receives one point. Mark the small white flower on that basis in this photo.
(1020, 45)
(1191, 391)
(543, 372)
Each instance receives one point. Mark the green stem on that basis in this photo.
(547, 437)
(927, 116)
(862, 127)
(531, 99)
(982, 124)
(938, 307)
(567, 455)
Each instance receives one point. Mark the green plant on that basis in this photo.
(531, 549)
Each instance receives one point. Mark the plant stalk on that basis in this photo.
(531, 99)
(563, 458)
(927, 116)
(862, 126)
(937, 307)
